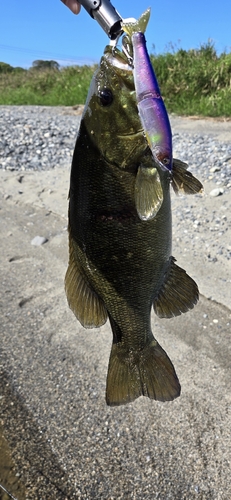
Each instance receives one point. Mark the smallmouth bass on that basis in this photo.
(120, 262)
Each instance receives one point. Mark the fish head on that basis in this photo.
(111, 114)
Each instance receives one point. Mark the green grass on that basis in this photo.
(194, 82)
(49, 87)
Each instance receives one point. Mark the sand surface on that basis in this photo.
(65, 441)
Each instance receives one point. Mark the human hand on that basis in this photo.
(73, 5)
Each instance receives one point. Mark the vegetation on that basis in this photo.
(194, 82)
(39, 64)
(45, 84)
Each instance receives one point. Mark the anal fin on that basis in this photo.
(148, 192)
(178, 294)
(183, 181)
(88, 308)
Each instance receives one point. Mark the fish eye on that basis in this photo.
(105, 96)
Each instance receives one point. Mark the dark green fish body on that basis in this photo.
(120, 237)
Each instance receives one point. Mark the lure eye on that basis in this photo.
(105, 97)
(166, 161)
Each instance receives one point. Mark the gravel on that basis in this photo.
(208, 158)
(36, 138)
(41, 138)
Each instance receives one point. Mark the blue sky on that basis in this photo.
(46, 29)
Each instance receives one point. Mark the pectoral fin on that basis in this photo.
(184, 181)
(83, 301)
(178, 294)
(148, 192)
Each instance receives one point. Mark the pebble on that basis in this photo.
(38, 240)
(215, 169)
(216, 192)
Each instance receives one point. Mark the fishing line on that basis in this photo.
(8, 493)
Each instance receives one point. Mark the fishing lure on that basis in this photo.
(151, 107)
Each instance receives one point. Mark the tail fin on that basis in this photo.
(133, 26)
(148, 372)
